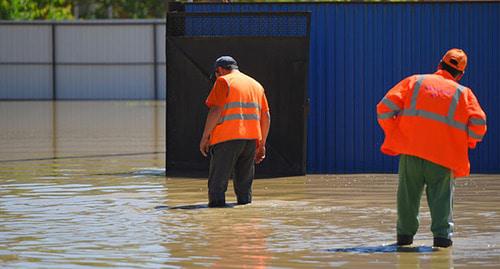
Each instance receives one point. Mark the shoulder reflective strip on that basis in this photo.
(413, 103)
(239, 117)
(474, 135)
(386, 101)
(241, 104)
(454, 101)
(387, 115)
(477, 121)
(436, 117)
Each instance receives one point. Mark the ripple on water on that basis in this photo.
(98, 224)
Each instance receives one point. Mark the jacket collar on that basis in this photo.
(444, 74)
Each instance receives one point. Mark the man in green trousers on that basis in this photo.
(431, 121)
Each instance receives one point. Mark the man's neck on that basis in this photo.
(445, 74)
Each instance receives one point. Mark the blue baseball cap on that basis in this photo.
(226, 62)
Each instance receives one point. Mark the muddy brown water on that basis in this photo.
(82, 185)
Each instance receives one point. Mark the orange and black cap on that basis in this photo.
(456, 58)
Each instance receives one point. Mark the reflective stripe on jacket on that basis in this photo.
(434, 118)
(240, 118)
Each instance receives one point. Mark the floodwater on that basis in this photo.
(82, 185)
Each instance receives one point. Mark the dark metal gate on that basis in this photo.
(273, 48)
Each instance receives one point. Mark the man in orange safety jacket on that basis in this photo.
(431, 121)
(235, 132)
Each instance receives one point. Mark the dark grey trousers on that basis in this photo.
(235, 157)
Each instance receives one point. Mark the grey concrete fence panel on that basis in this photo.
(25, 51)
(82, 60)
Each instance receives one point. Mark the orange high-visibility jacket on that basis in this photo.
(243, 101)
(434, 118)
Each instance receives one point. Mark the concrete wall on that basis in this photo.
(83, 60)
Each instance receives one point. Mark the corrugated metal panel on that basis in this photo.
(161, 71)
(104, 44)
(105, 82)
(360, 50)
(131, 46)
(25, 82)
(25, 43)
(162, 81)
(26, 59)
(24, 49)
(160, 45)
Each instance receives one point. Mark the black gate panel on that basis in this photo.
(279, 63)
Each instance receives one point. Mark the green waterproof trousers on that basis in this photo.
(414, 173)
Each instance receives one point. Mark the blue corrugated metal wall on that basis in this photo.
(360, 50)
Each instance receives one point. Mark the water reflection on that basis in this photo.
(41, 130)
(441, 258)
(386, 249)
(82, 185)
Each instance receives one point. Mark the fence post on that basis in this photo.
(155, 63)
(54, 64)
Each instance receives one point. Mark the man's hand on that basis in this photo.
(260, 154)
(212, 119)
(204, 144)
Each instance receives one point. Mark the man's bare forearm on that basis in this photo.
(212, 119)
(265, 124)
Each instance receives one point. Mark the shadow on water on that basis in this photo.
(385, 249)
(83, 157)
(143, 172)
(195, 206)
